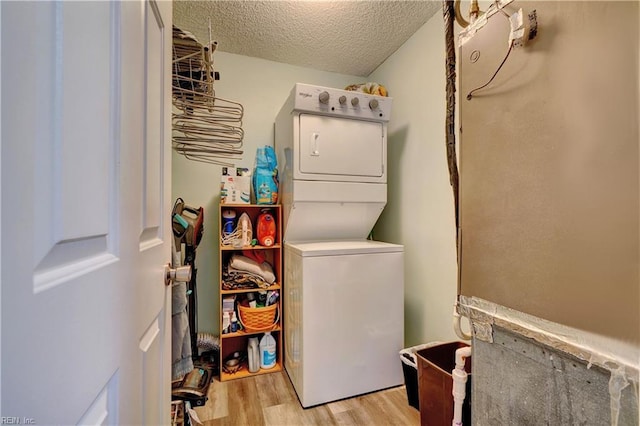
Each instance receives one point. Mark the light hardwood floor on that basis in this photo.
(270, 399)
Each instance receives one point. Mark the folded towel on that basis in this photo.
(233, 280)
(243, 263)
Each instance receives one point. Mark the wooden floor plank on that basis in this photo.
(244, 403)
(340, 406)
(406, 413)
(217, 406)
(270, 400)
(292, 414)
(275, 389)
(283, 414)
(352, 418)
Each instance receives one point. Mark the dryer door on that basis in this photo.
(333, 148)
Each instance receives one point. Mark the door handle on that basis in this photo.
(181, 274)
(315, 144)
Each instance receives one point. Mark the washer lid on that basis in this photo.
(335, 248)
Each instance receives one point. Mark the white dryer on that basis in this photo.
(344, 294)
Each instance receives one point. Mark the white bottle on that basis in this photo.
(253, 355)
(267, 351)
(226, 322)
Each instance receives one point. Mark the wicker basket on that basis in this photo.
(258, 319)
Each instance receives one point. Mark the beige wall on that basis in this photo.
(549, 168)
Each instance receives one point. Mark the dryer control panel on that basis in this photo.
(341, 103)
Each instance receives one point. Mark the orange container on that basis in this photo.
(258, 319)
(266, 231)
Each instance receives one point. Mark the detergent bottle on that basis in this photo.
(266, 229)
(253, 355)
(267, 351)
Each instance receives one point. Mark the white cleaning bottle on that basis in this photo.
(267, 351)
(253, 355)
(226, 322)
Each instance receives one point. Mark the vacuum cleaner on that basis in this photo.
(187, 225)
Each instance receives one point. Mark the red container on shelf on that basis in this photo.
(266, 229)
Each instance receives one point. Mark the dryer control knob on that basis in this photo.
(342, 100)
(373, 103)
(355, 101)
(324, 97)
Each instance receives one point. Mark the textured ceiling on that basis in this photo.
(349, 36)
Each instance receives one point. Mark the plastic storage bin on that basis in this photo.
(435, 384)
(409, 360)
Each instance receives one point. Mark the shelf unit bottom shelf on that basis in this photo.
(244, 372)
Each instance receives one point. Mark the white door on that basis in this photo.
(85, 212)
(334, 148)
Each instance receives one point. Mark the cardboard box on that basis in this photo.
(235, 189)
(229, 303)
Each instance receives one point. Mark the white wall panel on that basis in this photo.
(103, 410)
(153, 154)
(72, 238)
(151, 347)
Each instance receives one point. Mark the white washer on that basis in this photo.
(344, 294)
(344, 318)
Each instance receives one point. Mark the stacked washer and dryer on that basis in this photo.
(344, 294)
